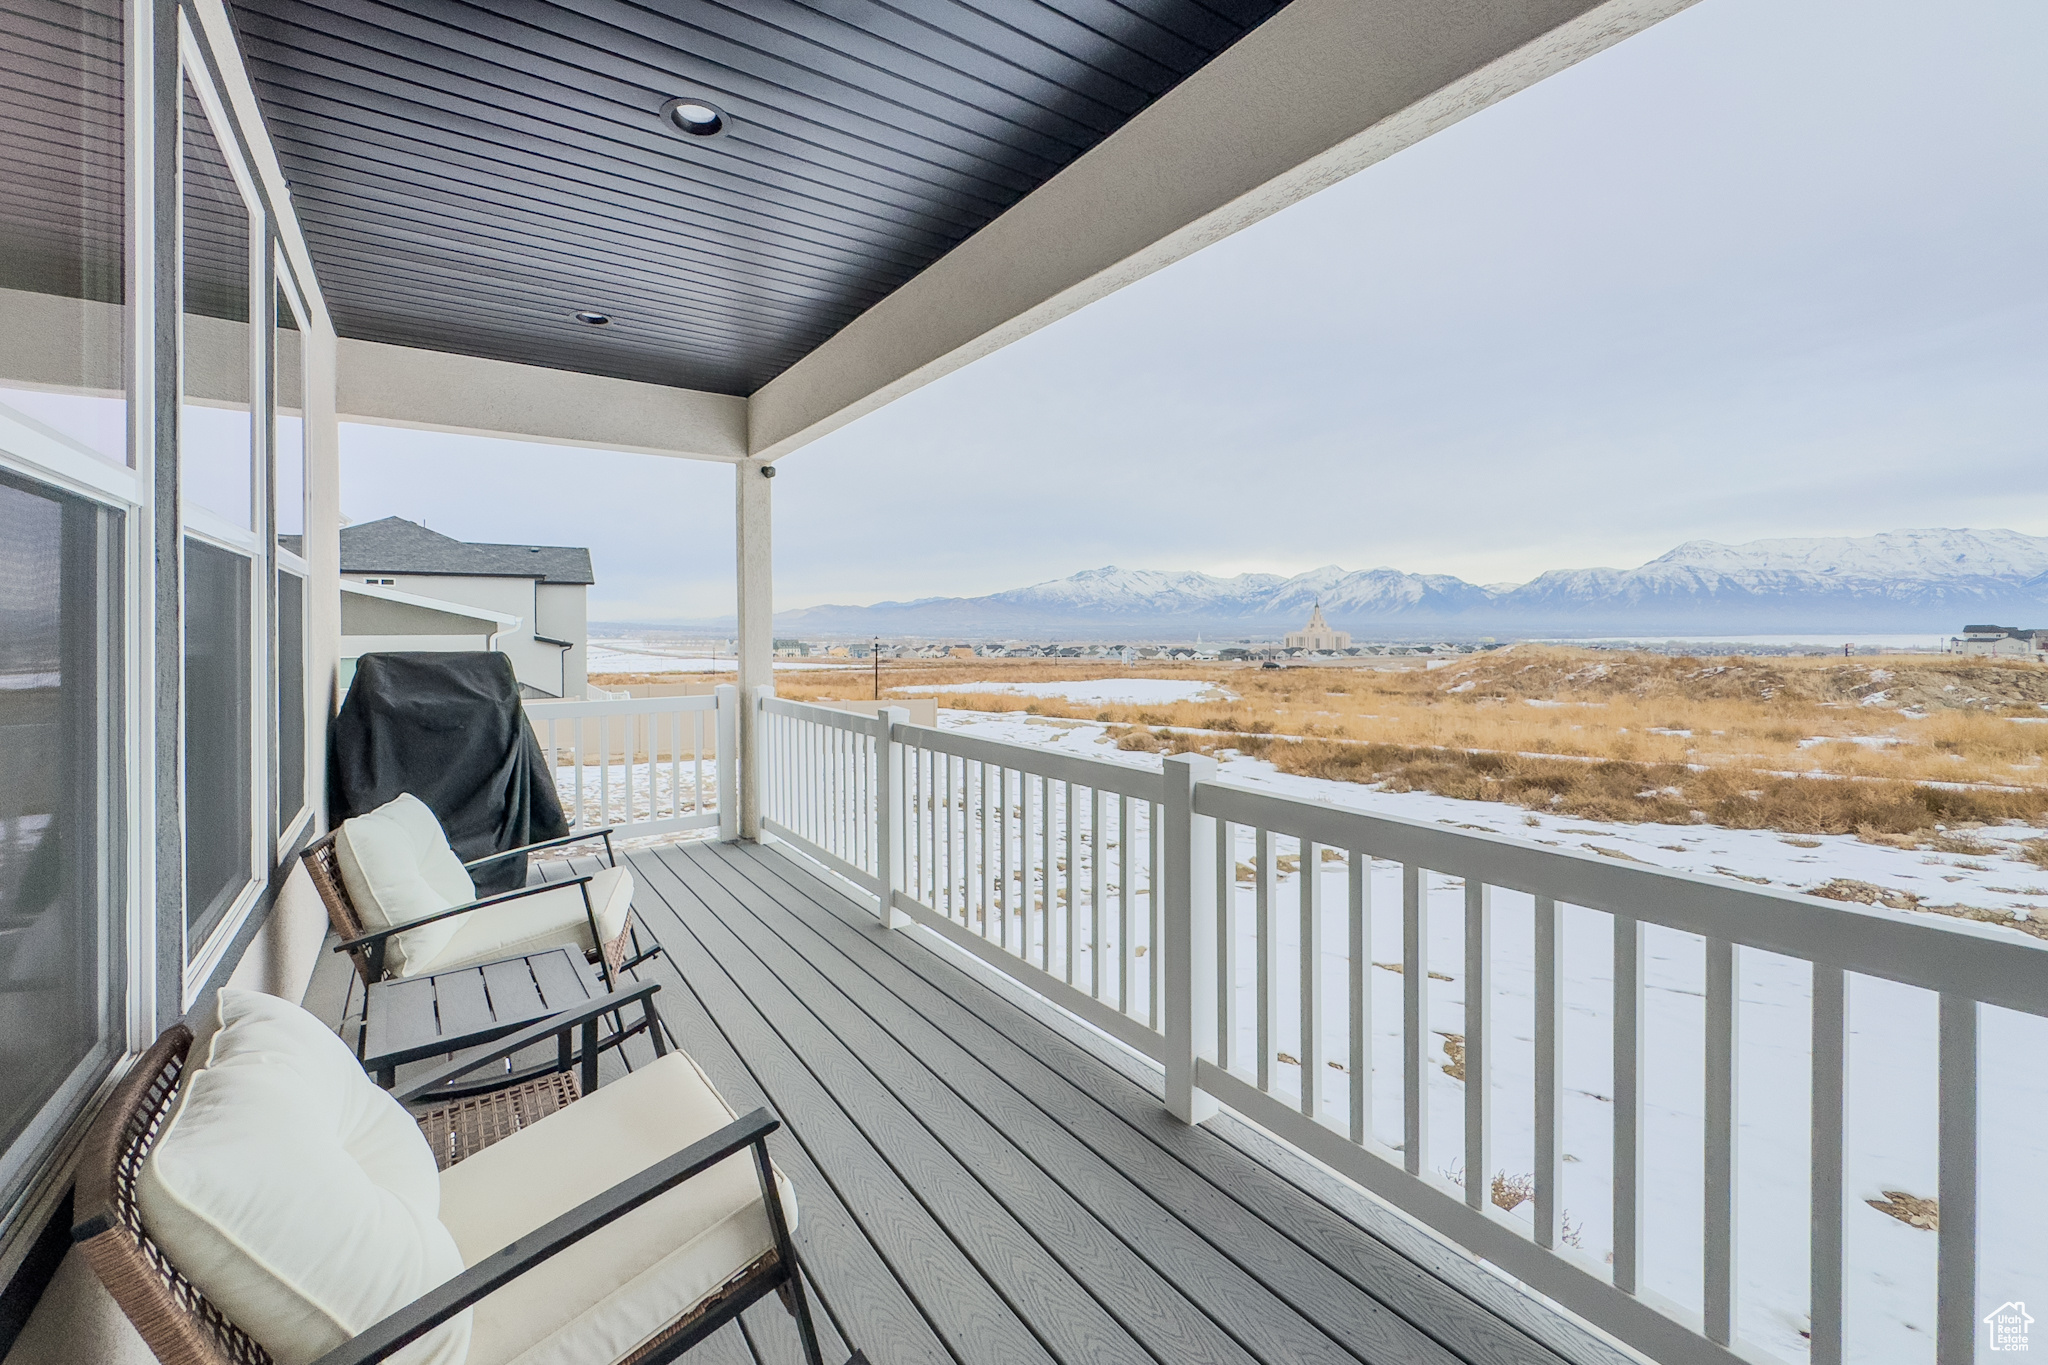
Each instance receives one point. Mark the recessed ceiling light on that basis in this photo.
(697, 117)
(595, 319)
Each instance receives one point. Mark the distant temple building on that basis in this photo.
(1317, 637)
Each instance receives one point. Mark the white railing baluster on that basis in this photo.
(1717, 1294)
(1156, 919)
(1095, 937)
(1004, 870)
(1358, 904)
(813, 738)
(1071, 879)
(1414, 1019)
(957, 840)
(576, 726)
(1311, 981)
(920, 824)
(990, 813)
(1955, 1338)
(1124, 957)
(1828, 1112)
(604, 770)
(1628, 1097)
(1262, 953)
(1549, 1024)
(1048, 872)
(1478, 1011)
(1226, 944)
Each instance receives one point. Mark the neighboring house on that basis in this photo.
(406, 587)
(2000, 642)
(1317, 637)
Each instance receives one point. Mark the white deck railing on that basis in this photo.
(1151, 905)
(647, 766)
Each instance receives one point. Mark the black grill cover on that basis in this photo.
(449, 729)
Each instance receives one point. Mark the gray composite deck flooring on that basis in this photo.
(978, 1184)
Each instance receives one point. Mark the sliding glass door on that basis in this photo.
(67, 499)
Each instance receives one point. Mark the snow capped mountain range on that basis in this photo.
(1896, 582)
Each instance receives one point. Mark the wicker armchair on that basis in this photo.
(365, 947)
(181, 1327)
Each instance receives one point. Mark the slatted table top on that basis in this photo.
(416, 1017)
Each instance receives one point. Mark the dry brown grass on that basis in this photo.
(1865, 893)
(1510, 1192)
(1599, 735)
(1905, 813)
(1914, 1210)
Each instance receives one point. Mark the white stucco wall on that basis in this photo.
(549, 609)
(560, 611)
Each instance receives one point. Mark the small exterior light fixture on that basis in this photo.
(697, 117)
(594, 319)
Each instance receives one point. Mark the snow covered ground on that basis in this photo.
(1095, 691)
(626, 794)
(643, 656)
(1890, 1267)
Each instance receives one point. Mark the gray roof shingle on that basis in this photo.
(395, 545)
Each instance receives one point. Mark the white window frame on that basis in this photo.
(202, 958)
(53, 463)
(33, 451)
(287, 286)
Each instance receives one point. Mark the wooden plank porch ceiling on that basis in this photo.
(978, 1181)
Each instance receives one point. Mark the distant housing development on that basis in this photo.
(404, 587)
(2001, 642)
(1316, 637)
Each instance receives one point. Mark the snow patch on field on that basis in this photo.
(640, 656)
(1096, 691)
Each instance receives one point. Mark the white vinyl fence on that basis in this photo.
(1231, 935)
(648, 766)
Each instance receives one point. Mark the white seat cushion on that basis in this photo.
(397, 866)
(531, 924)
(606, 1295)
(299, 1197)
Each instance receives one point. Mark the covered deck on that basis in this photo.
(983, 1179)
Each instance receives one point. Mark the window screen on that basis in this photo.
(59, 697)
(291, 697)
(219, 853)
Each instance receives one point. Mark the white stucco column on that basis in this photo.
(756, 624)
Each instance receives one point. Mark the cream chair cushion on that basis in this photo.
(606, 1295)
(299, 1197)
(531, 924)
(397, 866)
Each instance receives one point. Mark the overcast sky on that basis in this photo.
(1775, 267)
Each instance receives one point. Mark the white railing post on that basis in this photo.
(889, 821)
(1190, 928)
(727, 738)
